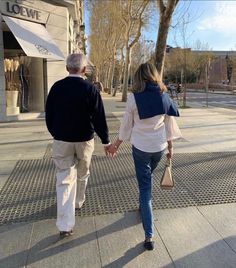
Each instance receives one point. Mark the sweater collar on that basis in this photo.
(76, 75)
(151, 86)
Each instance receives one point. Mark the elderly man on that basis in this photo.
(74, 111)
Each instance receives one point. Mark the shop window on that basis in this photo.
(10, 41)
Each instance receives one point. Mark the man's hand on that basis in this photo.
(111, 150)
(106, 148)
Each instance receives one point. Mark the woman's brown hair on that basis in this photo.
(147, 72)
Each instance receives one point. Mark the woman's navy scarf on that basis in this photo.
(152, 102)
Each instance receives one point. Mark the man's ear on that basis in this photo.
(84, 70)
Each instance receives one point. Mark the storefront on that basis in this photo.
(35, 38)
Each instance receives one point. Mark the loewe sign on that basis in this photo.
(17, 9)
(32, 10)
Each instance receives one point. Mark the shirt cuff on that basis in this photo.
(105, 145)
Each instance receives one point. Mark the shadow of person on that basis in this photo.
(52, 245)
(127, 257)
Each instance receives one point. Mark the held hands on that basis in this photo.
(111, 149)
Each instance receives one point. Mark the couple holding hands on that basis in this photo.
(74, 111)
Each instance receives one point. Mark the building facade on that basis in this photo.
(221, 64)
(35, 38)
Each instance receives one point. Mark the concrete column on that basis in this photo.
(3, 116)
(36, 85)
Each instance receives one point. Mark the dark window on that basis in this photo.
(10, 41)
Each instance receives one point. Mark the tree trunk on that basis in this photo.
(108, 79)
(126, 74)
(111, 78)
(165, 19)
(115, 90)
(120, 79)
(161, 44)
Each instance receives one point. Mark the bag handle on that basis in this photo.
(168, 162)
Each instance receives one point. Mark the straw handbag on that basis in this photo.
(167, 182)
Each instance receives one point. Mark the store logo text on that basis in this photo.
(23, 11)
(42, 50)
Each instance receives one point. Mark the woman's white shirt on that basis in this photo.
(148, 135)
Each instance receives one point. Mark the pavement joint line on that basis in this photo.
(98, 244)
(165, 246)
(213, 227)
(29, 245)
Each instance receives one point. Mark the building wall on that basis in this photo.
(2, 79)
(218, 66)
(218, 70)
(56, 20)
(57, 26)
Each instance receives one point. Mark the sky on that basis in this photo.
(213, 23)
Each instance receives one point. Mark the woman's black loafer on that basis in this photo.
(149, 245)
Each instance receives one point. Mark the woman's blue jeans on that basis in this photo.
(145, 163)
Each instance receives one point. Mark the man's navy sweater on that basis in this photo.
(74, 111)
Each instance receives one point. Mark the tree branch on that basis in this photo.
(161, 6)
(138, 34)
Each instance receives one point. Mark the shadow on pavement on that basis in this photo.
(216, 255)
(53, 245)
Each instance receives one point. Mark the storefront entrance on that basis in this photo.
(26, 45)
(24, 77)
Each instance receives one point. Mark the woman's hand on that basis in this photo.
(113, 148)
(170, 150)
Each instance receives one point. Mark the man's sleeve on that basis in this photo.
(48, 112)
(98, 116)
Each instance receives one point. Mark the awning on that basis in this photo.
(34, 39)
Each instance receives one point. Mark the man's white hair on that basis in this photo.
(76, 61)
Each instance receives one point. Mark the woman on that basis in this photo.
(149, 124)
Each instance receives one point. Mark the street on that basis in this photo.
(214, 100)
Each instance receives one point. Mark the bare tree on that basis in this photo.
(106, 38)
(166, 9)
(132, 16)
(97, 38)
(201, 56)
(115, 30)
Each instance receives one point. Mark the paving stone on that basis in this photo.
(223, 218)
(15, 240)
(79, 250)
(192, 241)
(120, 239)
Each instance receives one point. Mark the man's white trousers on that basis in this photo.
(72, 160)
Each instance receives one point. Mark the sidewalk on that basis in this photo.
(194, 236)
